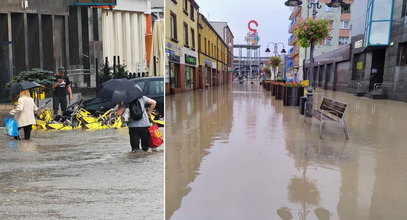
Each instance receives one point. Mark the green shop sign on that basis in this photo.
(190, 59)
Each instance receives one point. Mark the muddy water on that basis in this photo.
(79, 175)
(237, 153)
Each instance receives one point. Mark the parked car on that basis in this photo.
(153, 87)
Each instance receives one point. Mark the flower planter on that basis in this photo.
(292, 96)
(279, 92)
(274, 90)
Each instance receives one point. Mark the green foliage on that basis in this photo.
(275, 61)
(44, 77)
(312, 31)
(108, 72)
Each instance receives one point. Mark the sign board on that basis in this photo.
(214, 66)
(359, 44)
(95, 2)
(190, 59)
(359, 65)
(207, 62)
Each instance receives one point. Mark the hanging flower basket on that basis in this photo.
(310, 31)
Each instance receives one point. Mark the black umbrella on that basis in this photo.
(18, 87)
(118, 90)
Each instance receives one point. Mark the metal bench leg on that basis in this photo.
(321, 127)
(345, 129)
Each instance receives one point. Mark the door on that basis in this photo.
(376, 73)
(6, 68)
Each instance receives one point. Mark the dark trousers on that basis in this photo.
(59, 100)
(27, 132)
(137, 134)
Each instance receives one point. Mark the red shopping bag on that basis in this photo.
(156, 137)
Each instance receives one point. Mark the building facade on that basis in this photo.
(340, 25)
(379, 49)
(224, 31)
(181, 45)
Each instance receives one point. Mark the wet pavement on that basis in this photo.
(236, 153)
(79, 175)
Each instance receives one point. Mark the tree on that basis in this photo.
(274, 62)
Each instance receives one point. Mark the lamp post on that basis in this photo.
(314, 5)
(275, 52)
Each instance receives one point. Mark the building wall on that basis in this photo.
(178, 47)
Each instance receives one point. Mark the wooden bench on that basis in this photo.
(329, 111)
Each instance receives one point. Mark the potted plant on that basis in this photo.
(292, 93)
(274, 62)
(310, 32)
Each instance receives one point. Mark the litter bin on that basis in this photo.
(302, 104)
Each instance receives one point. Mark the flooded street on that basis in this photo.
(236, 153)
(79, 175)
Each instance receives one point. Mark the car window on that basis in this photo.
(156, 87)
(141, 84)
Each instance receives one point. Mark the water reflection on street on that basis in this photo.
(79, 175)
(236, 153)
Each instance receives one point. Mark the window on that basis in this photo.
(331, 24)
(328, 41)
(345, 24)
(141, 84)
(173, 70)
(402, 54)
(185, 7)
(343, 40)
(189, 77)
(192, 11)
(156, 87)
(186, 40)
(345, 9)
(328, 9)
(173, 23)
(192, 38)
(206, 51)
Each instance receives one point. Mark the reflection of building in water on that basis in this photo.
(194, 121)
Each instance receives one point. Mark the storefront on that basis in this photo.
(173, 70)
(208, 64)
(190, 66)
(214, 74)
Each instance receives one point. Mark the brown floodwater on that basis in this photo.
(234, 152)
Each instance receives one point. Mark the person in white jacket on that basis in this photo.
(24, 113)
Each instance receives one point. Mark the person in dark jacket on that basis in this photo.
(62, 88)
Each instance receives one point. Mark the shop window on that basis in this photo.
(402, 54)
(189, 77)
(173, 23)
(186, 40)
(173, 70)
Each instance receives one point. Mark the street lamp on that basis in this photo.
(314, 5)
(275, 52)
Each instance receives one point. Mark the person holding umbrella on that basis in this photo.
(61, 89)
(129, 94)
(24, 113)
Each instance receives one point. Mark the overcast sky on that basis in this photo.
(272, 16)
